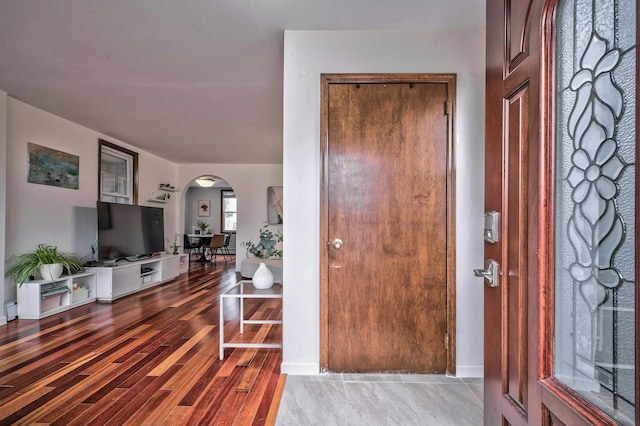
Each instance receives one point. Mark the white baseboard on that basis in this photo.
(300, 369)
(469, 370)
(3, 320)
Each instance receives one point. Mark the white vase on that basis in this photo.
(262, 278)
(50, 272)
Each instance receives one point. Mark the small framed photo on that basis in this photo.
(204, 208)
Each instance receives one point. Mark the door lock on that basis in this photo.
(492, 227)
(491, 274)
(337, 244)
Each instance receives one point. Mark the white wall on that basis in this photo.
(192, 196)
(307, 55)
(59, 216)
(249, 182)
(64, 217)
(3, 195)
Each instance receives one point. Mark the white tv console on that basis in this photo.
(40, 298)
(122, 278)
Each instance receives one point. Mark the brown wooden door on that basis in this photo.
(536, 150)
(386, 191)
(510, 146)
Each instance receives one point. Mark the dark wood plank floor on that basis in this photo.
(148, 358)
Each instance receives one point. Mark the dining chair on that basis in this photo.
(189, 246)
(225, 247)
(215, 245)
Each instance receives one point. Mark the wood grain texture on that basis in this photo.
(517, 26)
(519, 182)
(148, 358)
(514, 281)
(386, 187)
(327, 81)
(511, 143)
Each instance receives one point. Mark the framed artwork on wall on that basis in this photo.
(204, 208)
(49, 166)
(274, 205)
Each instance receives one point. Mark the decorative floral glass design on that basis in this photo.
(594, 202)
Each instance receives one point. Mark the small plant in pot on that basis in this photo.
(174, 247)
(47, 260)
(202, 226)
(266, 248)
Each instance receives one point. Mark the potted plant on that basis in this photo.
(202, 226)
(175, 245)
(263, 277)
(48, 260)
(266, 248)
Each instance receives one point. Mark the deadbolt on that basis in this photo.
(337, 244)
(492, 227)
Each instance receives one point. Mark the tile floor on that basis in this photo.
(381, 399)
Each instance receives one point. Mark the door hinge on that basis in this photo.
(446, 341)
(447, 107)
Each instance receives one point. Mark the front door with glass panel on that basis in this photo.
(560, 328)
(594, 196)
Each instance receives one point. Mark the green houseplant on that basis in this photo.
(266, 248)
(202, 226)
(44, 255)
(175, 245)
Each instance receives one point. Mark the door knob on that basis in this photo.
(337, 243)
(490, 274)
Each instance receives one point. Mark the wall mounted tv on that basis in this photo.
(128, 232)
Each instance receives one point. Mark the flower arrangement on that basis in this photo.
(266, 248)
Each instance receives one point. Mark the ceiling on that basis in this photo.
(193, 81)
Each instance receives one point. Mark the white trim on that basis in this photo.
(128, 159)
(300, 368)
(469, 370)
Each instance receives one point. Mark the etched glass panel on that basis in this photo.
(595, 89)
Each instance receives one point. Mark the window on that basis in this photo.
(229, 210)
(117, 174)
(595, 202)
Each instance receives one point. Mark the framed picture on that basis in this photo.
(204, 208)
(274, 205)
(52, 167)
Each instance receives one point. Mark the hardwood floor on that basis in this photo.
(148, 358)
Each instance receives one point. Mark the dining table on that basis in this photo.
(203, 240)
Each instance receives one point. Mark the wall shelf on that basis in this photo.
(157, 200)
(165, 188)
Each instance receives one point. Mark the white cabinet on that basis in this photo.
(170, 268)
(184, 263)
(151, 273)
(41, 298)
(123, 281)
(120, 279)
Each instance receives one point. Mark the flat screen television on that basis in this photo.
(127, 232)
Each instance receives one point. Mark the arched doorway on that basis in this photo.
(209, 207)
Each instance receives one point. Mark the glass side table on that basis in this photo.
(245, 290)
